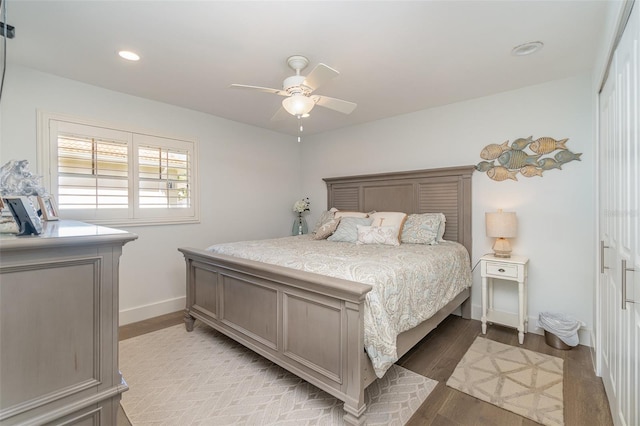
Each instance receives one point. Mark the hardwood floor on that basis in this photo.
(153, 324)
(437, 355)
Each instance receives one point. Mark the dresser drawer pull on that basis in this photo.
(501, 270)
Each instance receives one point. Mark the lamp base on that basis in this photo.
(501, 255)
(502, 248)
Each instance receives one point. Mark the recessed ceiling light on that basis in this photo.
(129, 56)
(527, 48)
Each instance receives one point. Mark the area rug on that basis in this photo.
(205, 378)
(519, 380)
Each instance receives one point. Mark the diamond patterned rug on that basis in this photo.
(205, 378)
(519, 380)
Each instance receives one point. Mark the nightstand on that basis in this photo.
(513, 269)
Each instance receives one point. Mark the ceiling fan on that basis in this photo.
(298, 90)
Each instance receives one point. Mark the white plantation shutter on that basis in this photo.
(112, 176)
(164, 172)
(92, 173)
(163, 178)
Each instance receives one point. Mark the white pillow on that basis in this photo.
(387, 235)
(340, 213)
(389, 219)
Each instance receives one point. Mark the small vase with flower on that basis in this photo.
(300, 224)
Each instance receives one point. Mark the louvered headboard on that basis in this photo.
(446, 190)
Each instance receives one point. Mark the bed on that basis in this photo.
(313, 324)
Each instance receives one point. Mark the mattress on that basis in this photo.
(411, 282)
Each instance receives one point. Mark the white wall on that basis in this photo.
(555, 212)
(237, 163)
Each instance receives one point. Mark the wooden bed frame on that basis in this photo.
(310, 324)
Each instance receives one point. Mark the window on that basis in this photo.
(103, 174)
(93, 173)
(163, 175)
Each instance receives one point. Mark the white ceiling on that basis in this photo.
(394, 57)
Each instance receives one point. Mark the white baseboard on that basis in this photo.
(584, 333)
(140, 313)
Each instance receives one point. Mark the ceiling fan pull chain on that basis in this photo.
(299, 129)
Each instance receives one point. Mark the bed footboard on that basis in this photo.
(309, 324)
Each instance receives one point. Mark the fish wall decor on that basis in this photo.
(504, 161)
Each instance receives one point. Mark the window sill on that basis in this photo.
(124, 223)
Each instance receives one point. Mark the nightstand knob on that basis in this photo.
(500, 270)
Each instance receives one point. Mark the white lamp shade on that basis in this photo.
(298, 104)
(501, 224)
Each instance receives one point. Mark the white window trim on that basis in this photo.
(45, 139)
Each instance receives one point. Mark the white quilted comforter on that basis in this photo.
(411, 282)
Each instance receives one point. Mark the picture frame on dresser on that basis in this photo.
(24, 214)
(48, 207)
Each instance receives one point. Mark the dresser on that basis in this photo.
(59, 325)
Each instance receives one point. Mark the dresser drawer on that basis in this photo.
(502, 270)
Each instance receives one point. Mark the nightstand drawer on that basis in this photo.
(502, 270)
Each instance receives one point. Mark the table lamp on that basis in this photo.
(501, 225)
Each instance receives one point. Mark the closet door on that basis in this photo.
(626, 74)
(619, 284)
(608, 287)
(633, 277)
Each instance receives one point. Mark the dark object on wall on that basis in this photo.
(10, 30)
(505, 161)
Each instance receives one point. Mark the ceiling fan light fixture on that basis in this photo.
(298, 105)
(129, 55)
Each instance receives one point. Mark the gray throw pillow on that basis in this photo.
(348, 229)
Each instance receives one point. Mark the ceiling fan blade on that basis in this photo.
(261, 89)
(339, 105)
(280, 115)
(319, 76)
